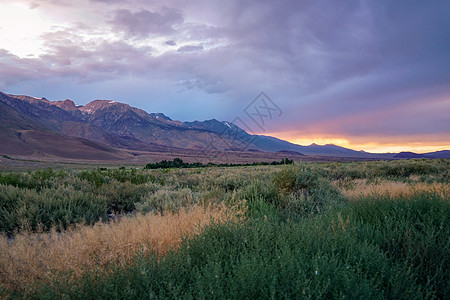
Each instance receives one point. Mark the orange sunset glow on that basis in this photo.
(402, 144)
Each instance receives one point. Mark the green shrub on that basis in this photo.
(341, 254)
(259, 189)
(13, 179)
(395, 169)
(164, 199)
(229, 181)
(415, 232)
(306, 178)
(31, 209)
(132, 176)
(304, 191)
(94, 177)
(286, 179)
(122, 196)
(33, 180)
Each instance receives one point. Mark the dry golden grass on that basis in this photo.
(361, 188)
(33, 257)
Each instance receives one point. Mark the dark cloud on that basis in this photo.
(347, 68)
(190, 48)
(144, 23)
(170, 43)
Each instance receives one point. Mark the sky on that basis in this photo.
(367, 75)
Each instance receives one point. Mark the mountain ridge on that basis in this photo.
(121, 126)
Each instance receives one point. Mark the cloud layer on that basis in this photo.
(365, 71)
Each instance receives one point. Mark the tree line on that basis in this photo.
(179, 163)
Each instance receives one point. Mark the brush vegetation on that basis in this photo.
(179, 163)
(316, 230)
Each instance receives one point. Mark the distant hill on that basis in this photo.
(408, 155)
(102, 127)
(437, 154)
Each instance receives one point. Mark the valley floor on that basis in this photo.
(375, 229)
(138, 159)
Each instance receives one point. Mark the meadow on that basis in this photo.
(376, 229)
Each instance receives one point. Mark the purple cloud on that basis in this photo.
(170, 43)
(143, 23)
(190, 48)
(354, 67)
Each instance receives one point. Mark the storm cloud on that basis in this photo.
(144, 22)
(352, 69)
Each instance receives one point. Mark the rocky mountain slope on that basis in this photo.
(112, 125)
(26, 131)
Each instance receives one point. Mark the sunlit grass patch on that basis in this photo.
(360, 188)
(31, 257)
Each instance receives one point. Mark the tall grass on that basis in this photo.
(31, 258)
(432, 170)
(362, 188)
(377, 248)
(301, 237)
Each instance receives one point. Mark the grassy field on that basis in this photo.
(378, 229)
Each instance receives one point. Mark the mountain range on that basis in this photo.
(110, 130)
